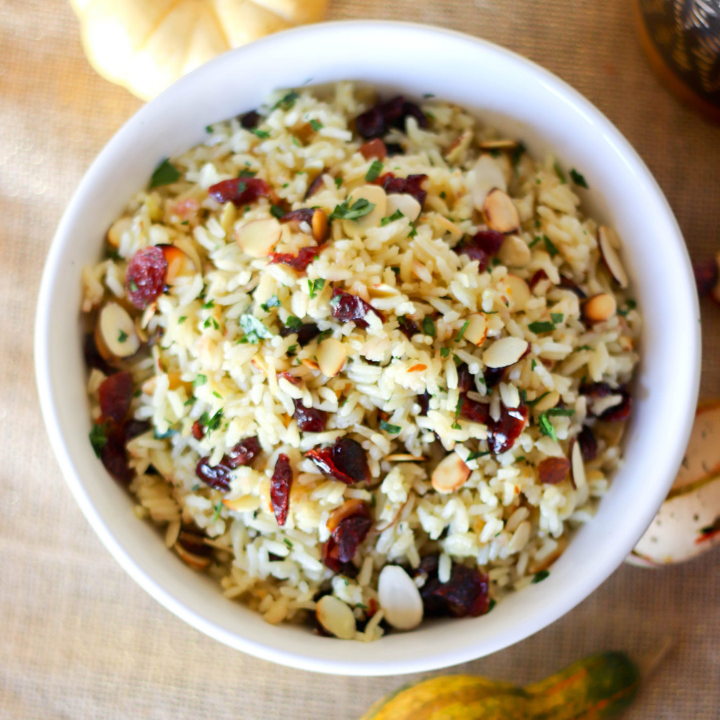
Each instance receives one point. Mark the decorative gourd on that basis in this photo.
(600, 686)
(145, 45)
(688, 523)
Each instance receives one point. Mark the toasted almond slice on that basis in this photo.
(196, 562)
(331, 356)
(500, 212)
(179, 264)
(310, 364)
(373, 194)
(259, 237)
(405, 203)
(600, 308)
(450, 474)
(608, 241)
(399, 598)
(544, 563)
(499, 144)
(115, 333)
(115, 233)
(477, 329)
(336, 617)
(320, 226)
(518, 291)
(455, 151)
(514, 252)
(577, 466)
(505, 352)
(354, 506)
(487, 176)
(405, 457)
(140, 330)
(243, 504)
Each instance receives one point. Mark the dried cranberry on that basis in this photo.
(250, 120)
(309, 419)
(217, 476)
(473, 410)
(93, 358)
(553, 470)
(474, 253)
(465, 594)
(114, 456)
(571, 285)
(132, 428)
(345, 461)
(377, 121)
(488, 240)
(301, 215)
(408, 326)
(706, 275)
(410, 185)
(424, 402)
(347, 307)
(493, 376)
(239, 191)
(536, 278)
(371, 124)
(115, 395)
(198, 430)
(341, 546)
(243, 453)
(621, 412)
(297, 262)
(194, 543)
(394, 149)
(306, 333)
(598, 390)
(145, 279)
(374, 149)
(465, 381)
(411, 109)
(280, 485)
(588, 444)
(503, 433)
(314, 186)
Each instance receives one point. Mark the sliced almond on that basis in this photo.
(399, 598)
(373, 194)
(600, 308)
(320, 226)
(405, 203)
(259, 237)
(351, 507)
(331, 356)
(477, 329)
(545, 562)
(115, 233)
(115, 333)
(500, 212)
(455, 151)
(450, 474)
(336, 617)
(608, 241)
(310, 364)
(196, 562)
(243, 504)
(499, 144)
(179, 264)
(514, 252)
(577, 466)
(405, 457)
(505, 352)
(518, 291)
(487, 176)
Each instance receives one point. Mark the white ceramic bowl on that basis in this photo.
(509, 92)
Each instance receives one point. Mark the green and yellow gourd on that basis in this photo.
(600, 686)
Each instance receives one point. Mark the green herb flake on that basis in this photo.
(209, 305)
(262, 134)
(254, 329)
(517, 153)
(552, 250)
(293, 322)
(557, 318)
(374, 171)
(458, 362)
(444, 352)
(123, 336)
(208, 129)
(182, 319)
(583, 347)
(475, 455)
(533, 364)
(316, 125)
(629, 305)
(540, 576)
(292, 351)
(338, 182)
(276, 211)
(246, 174)
(535, 241)
(288, 543)
(559, 173)
(133, 285)
(491, 605)
(413, 231)
(541, 326)
(462, 331)
(315, 286)
(546, 427)
(274, 301)
(165, 174)
(428, 95)
(199, 380)
(561, 412)
(533, 403)
(345, 211)
(392, 218)
(428, 327)
(216, 514)
(287, 102)
(217, 395)
(98, 438)
(388, 428)
(578, 179)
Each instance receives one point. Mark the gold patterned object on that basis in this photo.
(145, 45)
(682, 41)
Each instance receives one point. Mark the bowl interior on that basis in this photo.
(506, 91)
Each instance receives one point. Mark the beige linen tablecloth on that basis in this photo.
(78, 638)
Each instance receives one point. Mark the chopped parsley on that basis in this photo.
(552, 250)
(444, 352)
(182, 319)
(208, 129)
(413, 230)
(246, 174)
(629, 305)
(211, 321)
(475, 455)
(276, 211)
(541, 326)
(209, 305)
(557, 318)
(292, 350)
(578, 179)
(133, 285)
(457, 360)
(428, 95)
(216, 514)
(540, 576)
(561, 412)
(338, 182)
(288, 543)
(254, 329)
(358, 209)
(374, 171)
(517, 153)
(199, 380)
(546, 427)
(559, 173)
(462, 331)
(287, 102)
(217, 395)
(533, 403)
(491, 605)
(388, 428)
(262, 134)
(293, 322)
(535, 241)
(98, 438)
(316, 125)
(123, 336)
(211, 423)
(428, 327)
(315, 286)
(165, 174)
(274, 301)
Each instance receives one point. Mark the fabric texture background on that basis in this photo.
(78, 638)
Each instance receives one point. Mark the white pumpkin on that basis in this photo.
(688, 523)
(145, 45)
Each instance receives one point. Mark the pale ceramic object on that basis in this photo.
(506, 90)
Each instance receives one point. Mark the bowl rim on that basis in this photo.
(50, 414)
